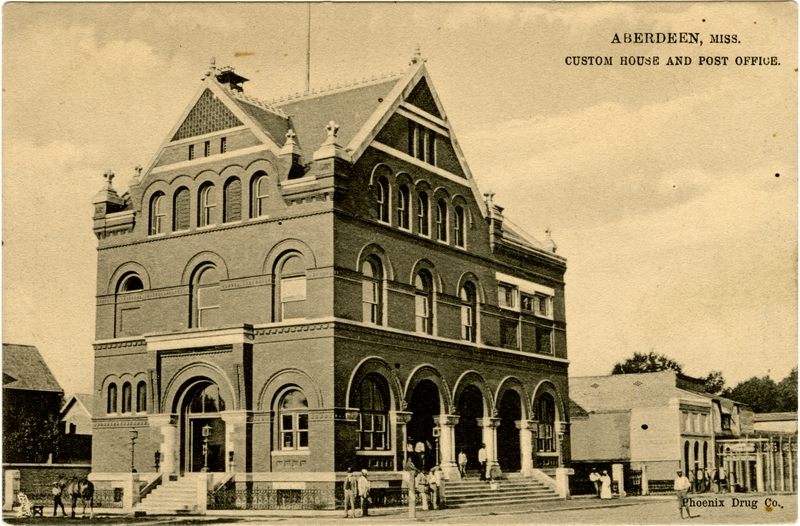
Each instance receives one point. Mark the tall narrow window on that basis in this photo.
(293, 419)
(207, 205)
(546, 412)
(403, 207)
(126, 397)
(423, 302)
(223, 145)
(441, 220)
(468, 304)
(111, 399)
(292, 285)
(141, 397)
(373, 418)
(506, 295)
(382, 199)
(157, 214)
(232, 201)
(371, 291)
(191, 152)
(458, 227)
(206, 148)
(259, 193)
(180, 209)
(423, 215)
(206, 292)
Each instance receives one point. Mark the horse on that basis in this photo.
(81, 489)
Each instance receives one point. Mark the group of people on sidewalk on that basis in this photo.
(602, 484)
(356, 488)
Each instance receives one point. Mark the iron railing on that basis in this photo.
(231, 498)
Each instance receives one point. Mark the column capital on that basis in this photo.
(234, 417)
(488, 421)
(161, 420)
(529, 425)
(445, 420)
(403, 417)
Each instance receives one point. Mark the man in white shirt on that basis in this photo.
(681, 487)
(482, 458)
(462, 464)
(363, 492)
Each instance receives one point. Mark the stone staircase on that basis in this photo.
(171, 497)
(511, 490)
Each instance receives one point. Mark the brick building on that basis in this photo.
(309, 284)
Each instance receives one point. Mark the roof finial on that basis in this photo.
(417, 57)
(333, 129)
(108, 176)
(488, 197)
(549, 243)
(212, 67)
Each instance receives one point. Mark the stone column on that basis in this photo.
(526, 431)
(167, 424)
(447, 443)
(490, 425)
(402, 418)
(235, 440)
(561, 428)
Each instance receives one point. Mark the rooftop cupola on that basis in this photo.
(226, 76)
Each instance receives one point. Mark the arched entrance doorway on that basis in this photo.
(469, 435)
(424, 406)
(510, 410)
(202, 428)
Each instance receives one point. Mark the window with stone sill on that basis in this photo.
(423, 215)
(126, 398)
(374, 414)
(441, 220)
(506, 295)
(111, 399)
(458, 227)
(157, 214)
(207, 204)
(382, 199)
(141, 397)
(403, 207)
(293, 421)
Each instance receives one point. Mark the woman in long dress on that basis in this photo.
(605, 486)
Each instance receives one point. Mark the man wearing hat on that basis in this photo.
(363, 493)
(681, 487)
(350, 487)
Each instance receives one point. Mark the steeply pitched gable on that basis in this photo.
(25, 368)
(208, 115)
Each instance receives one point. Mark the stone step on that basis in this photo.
(522, 491)
(484, 502)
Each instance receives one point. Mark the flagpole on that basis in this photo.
(308, 48)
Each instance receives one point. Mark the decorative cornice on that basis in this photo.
(200, 338)
(243, 283)
(119, 344)
(284, 329)
(130, 297)
(117, 422)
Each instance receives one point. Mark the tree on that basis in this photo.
(715, 382)
(647, 363)
(761, 394)
(787, 392)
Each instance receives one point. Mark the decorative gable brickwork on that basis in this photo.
(207, 116)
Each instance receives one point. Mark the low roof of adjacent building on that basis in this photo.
(25, 369)
(82, 400)
(775, 417)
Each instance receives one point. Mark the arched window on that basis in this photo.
(206, 206)
(382, 199)
(292, 287)
(207, 400)
(259, 192)
(468, 310)
(373, 418)
(126, 397)
(423, 284)
(403, 207)
(232, 201)
(157, 214)
(111, 399)
(181, 204)
(141, 397)
(130, 283)
(546, 412)
(371, 291)
(293, 420)
(458, 227)
(441, 220)
(423, 215)
(206, 297)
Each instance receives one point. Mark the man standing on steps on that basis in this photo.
(482, 458)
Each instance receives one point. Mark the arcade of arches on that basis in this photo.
(424, 421)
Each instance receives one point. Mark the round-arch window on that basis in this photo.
(293, 410)
(207, 400)
(131, 283)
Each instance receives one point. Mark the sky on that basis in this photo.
(671, 190)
